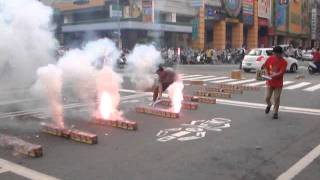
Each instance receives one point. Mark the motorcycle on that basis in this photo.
(312, 68)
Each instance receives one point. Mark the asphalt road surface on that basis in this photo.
(231, 140)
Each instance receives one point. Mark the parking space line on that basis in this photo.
(25, 172)
(300, 165)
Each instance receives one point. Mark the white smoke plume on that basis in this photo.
(175, 92)
(26, 41)
(142, 64)
(88, 72)
(108, 86)
(50, 82)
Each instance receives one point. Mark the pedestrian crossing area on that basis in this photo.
(288, 85)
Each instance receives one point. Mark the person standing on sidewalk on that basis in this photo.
(275, 67)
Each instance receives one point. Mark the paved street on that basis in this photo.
(246, 144)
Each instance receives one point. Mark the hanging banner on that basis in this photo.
(213, 13)
(281, 16)
(314, 24)
(247, 12)
(232, 7)
(147, 6)
(195, 27)
(295, 17)
(264, 9)
(305, 29)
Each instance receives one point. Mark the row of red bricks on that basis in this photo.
(73, 134)
(21, 146)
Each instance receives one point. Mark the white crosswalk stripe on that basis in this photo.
(189, 76)
(2, 170)
(242, 81)
(296, 86)
(256, 83)
(288, 85)
(216, 78)
(285, 83)
(223, 81)
(198, 78)
(313, 88)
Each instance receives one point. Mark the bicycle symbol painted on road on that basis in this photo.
(195, 130)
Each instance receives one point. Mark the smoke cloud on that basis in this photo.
(142, 64)
(50, 82)
(87, 72)
(26, 41)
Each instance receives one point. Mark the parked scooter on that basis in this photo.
(312, 68)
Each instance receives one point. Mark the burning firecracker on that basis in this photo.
(185, 105)
(157, 112)
(238, 87)
(224, 90)
(72, 134)
(212, 94)
(123, 124)
(198, 99)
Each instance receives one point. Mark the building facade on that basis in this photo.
(201, 24)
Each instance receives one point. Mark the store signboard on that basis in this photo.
(148, 12)
(281, 16)
(232, 7)
(196, 3)
(213, 13)
(247, 12)
(314, 23)
(264, 9)
(115, 11)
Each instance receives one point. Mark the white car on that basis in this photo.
(257, 57)
(307, 56)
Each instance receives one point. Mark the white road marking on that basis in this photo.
(198, 78)
(256, 83)
(222, 81)
(216, 78)
(313, 88)
(2, 170)
(189, 76)
(181, 133)
(284, 83)
(242, 81)
(298, 110)
(128, 90)
(25, 172)
(287, 82)
(300, 165)
(296, 86)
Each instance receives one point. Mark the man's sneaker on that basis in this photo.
(268, 109)
(275, 116)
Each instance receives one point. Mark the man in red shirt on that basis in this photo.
(166, 78)
(275, 67)
(316, 58)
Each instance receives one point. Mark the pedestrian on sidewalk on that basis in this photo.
(275, 67)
